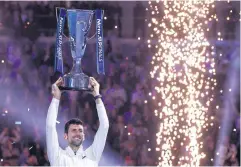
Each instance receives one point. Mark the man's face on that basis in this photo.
(75, 135)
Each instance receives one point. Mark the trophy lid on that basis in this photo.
(81, 10)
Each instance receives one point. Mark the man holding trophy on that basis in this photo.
(79, 22)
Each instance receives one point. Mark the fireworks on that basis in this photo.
(183, 68)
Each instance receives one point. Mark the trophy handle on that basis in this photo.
(95, 31)
(56, 14)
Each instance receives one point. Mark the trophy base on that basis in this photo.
(75, 82)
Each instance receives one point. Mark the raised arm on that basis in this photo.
(96, 149)
(51, 132)
(2, 134)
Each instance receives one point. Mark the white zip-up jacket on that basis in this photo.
(83, 158)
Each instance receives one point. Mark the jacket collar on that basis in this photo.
(80, 151)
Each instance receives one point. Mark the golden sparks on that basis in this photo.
(183, 68)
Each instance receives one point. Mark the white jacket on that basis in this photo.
(83, 158)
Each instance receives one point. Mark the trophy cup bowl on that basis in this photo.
(79, 22)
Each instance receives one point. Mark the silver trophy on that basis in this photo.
(79, 23)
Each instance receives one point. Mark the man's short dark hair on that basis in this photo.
(74, 121)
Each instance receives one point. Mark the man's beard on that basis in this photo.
(75, 142)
